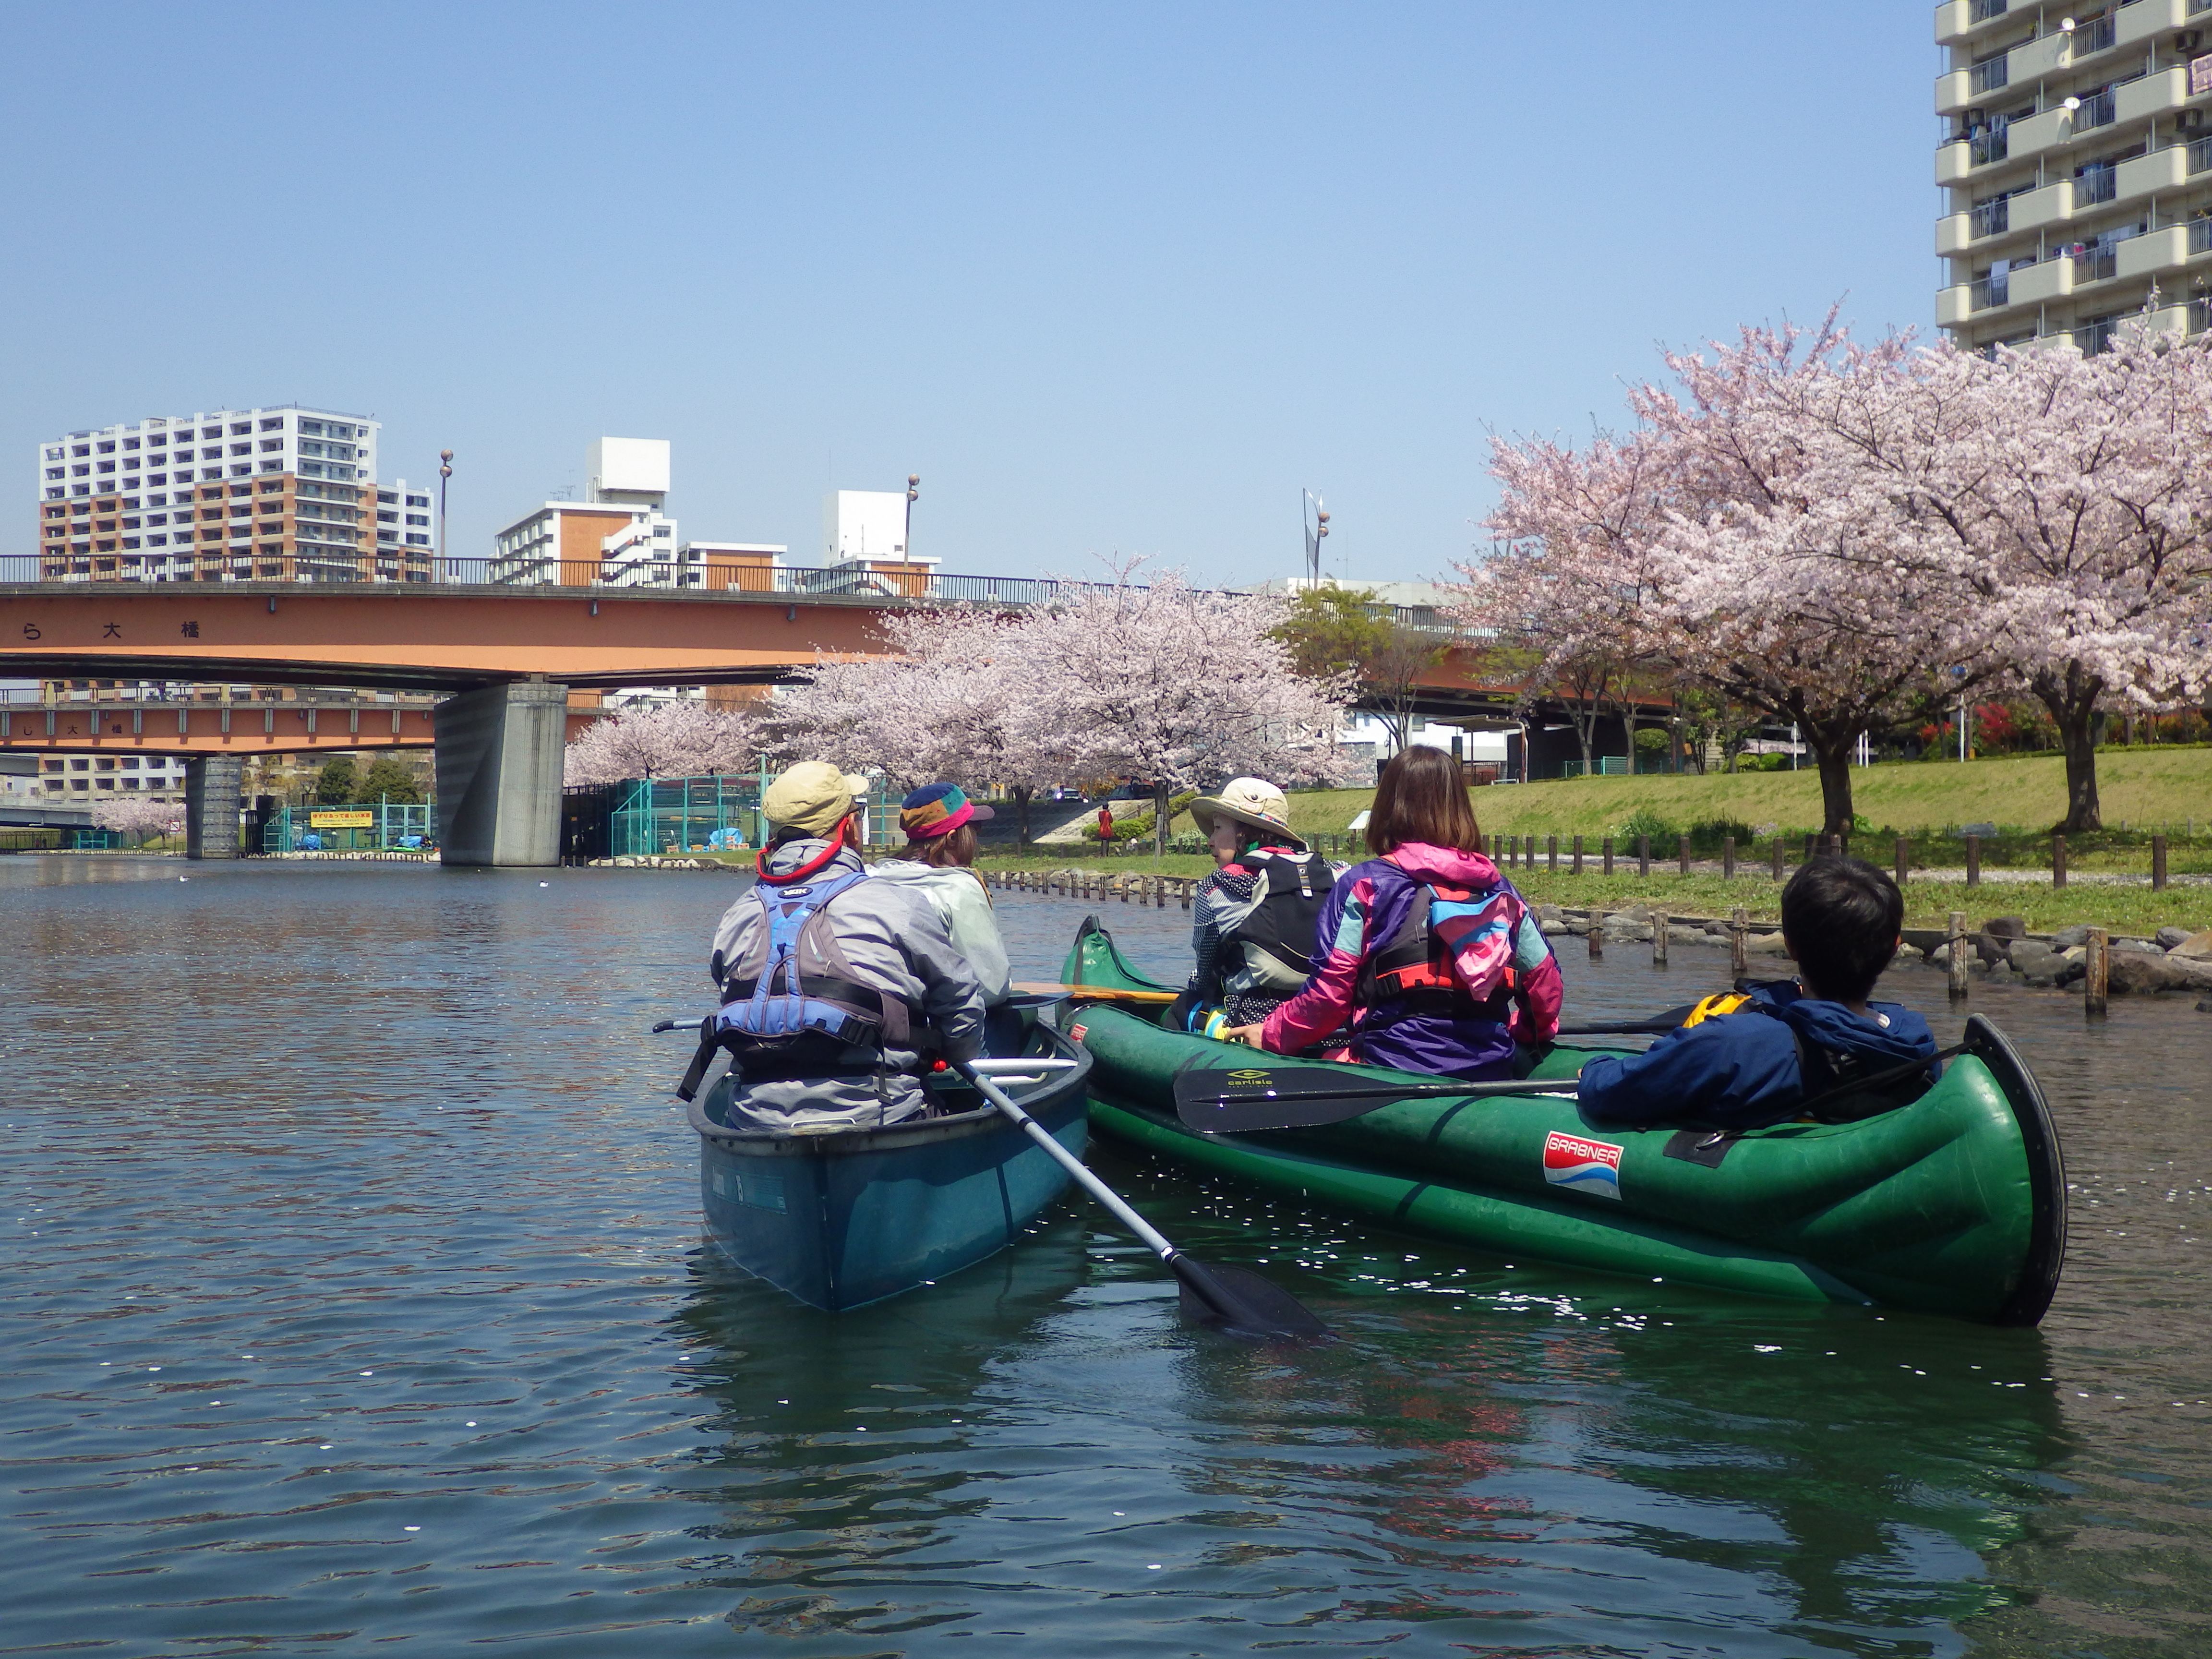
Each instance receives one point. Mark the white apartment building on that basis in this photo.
(279, 493)
(619, 536)
(76, 780)
(2077, 156)
(859, 525)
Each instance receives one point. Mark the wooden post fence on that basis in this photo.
(1596, 934)
(1973, 861)
(1643, 858)
(1658, 938)
(1739, 943)
(2058, 860)
(1776, 852)
(1552, 853)
(1578, 855)
(1958, 960)
(2096, 985)
(1682, 854)
(1727, 858)
(2158, 863)
(1609, 856)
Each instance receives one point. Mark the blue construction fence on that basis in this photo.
(664, 817)
(390, 826)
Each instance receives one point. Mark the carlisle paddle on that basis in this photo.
(1237, 1102)
(1095, 993)
(1230, 1299)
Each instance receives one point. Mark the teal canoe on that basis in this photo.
(841, 1220)
(1954, 1204)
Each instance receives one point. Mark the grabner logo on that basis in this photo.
(1588, 1166)
(1077, 1033)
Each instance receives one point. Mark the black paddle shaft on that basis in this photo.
(1249, 1098)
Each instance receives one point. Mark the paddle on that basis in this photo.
(1095, 993)
(1231, 1299)
(1226, 1103)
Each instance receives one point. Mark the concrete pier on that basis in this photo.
(212, 783)
(499, 774)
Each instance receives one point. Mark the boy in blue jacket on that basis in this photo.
(1840, 921)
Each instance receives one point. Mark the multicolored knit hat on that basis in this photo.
(938, 809)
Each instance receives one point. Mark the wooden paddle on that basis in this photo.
(1213, 1101)
(1097, 994)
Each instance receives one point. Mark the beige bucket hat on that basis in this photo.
(812, 797)
(1253, 802)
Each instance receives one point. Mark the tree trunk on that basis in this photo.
(1834, 754)
(1159, 821)
(1022, 812)
(2072, 701)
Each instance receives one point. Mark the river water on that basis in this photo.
(356, 1296)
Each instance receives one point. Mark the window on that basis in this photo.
(236, 489)
(422, 518)
(105, 466)
(272, 507)
(81, 449)
(271, 486)
(418, 501)
(132, 463)
(418, 541)
(270, 443)
(107, 449)
(157, 477)
(53, 472)
(386, 518)
(274, 425)
(80, 766)
(387, 535)
(210, 432)
(55, 453)
(242, 449)
(315, 427)
(240, 429)
(387, 497)
(131, 443)
(81, 508)
(157, 439)
(80, 472)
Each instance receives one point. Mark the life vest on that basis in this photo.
(793, 1007)
(1267, 939)
(1837, 1086)
(1418, 964)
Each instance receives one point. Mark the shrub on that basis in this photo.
(1646, 821)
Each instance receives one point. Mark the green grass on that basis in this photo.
(2147, 788)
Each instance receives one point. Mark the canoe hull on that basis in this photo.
(1955, 1206)
(841, 1220)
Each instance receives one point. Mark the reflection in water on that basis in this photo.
(379, 1160)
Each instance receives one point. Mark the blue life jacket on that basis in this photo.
(793, 1006)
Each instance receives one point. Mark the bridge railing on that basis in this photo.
(919, 582)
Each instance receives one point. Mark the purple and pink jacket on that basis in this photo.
(1502, 946)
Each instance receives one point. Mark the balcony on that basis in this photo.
(2087, 39)
(1953, 161)
(2139, 20)
(2200, 309)
(2098, 110)
(1989, 76)
(1954, 305)
(2051, 206)
(2152, 95)
(2045, 55)
(2033, 134)
(2094, 338)
(1956, 19)
(2051, 280)
(1952, 234)
(2156, 250)
(2095, 263)
(1990, 218)
(1989, 294)
(2094, 185)
(2162, 169)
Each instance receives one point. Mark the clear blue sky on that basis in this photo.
(1111, 277)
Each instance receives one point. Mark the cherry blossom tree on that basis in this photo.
(1177, 686)
(685, 739)
(138, 815)
(2080, 499)
(1561, 599)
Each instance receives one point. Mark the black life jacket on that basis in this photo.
(1415, 964)
(1266, 940)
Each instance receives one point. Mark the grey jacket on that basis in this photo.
(962, 903)
(893, 940)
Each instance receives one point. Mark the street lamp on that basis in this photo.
(1316, 529)
(445, 471)
(912, 489)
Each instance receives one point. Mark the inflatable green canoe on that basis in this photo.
(1955, 1205)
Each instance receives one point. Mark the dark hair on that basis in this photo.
(1422, 796)
(955, 848)
(1841, 917)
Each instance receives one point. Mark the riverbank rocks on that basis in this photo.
(2197, 947)
(649, 862)
(2170, 937)
(2132, 973)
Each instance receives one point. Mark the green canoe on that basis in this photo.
(1955, 1205)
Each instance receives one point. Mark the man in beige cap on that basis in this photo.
(837, 988)
(1252, 927)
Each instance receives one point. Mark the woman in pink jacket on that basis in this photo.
(1429, 961)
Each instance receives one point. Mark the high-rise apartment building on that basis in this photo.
(619, 537)
(2076, 154)
(284, 493)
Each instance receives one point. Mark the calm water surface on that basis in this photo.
(356, 1296)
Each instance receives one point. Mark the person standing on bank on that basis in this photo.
(1255, 917)
(836, 988)
(1426, 951)
(939, 863)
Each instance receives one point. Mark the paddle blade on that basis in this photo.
(1239, 1302)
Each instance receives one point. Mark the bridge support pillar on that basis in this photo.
(211, 786)
(499, 774)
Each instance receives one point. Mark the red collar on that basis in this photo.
(812, 866)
